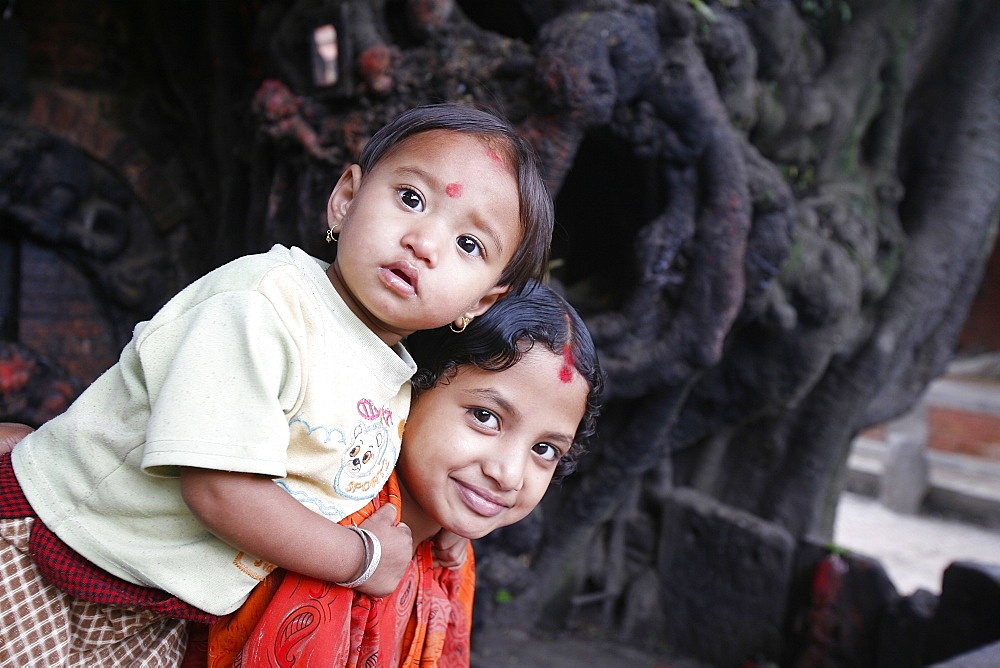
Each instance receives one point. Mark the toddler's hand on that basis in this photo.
(450, 550)
(397, 551)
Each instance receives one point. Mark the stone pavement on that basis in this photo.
(507, 649)
(914, 549)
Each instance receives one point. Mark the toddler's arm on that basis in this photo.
(252, 513)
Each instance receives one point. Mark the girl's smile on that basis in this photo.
(480, 500)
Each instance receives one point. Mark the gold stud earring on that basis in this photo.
(465, 323)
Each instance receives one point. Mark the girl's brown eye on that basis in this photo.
(549, 453)
(485, 418)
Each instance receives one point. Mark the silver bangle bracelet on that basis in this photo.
(372, 556)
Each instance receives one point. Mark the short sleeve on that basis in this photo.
(219, 377)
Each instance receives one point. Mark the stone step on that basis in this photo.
(965, 393)
(958, 486)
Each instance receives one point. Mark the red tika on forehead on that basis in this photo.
(453, 190)
(566, 372)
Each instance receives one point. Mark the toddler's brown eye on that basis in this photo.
(469, 245)
(411, 199)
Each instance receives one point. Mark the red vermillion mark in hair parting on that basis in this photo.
(566, 372)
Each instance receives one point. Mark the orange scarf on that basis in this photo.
(290, 619)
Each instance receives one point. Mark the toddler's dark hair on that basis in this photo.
(497, 340)
(531, 257)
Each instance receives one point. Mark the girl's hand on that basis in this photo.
(397, 551)
(450, 550)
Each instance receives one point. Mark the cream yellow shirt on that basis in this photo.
(258, 367)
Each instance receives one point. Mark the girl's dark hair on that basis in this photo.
(497, 340)
(534, 202)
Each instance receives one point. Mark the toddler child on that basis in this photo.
(265, 400)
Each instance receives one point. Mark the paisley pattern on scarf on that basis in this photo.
(290, 619)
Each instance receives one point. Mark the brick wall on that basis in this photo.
(62, 318)
(982, 328)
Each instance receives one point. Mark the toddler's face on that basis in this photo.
(426, 233)
(480, 449)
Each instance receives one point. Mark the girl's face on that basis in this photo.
(479, 450)
(425, 234)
